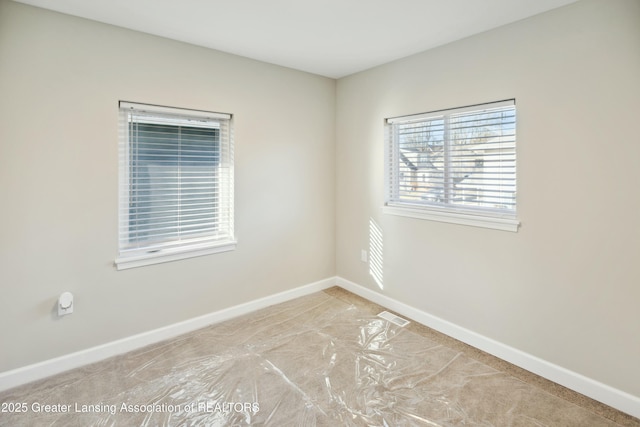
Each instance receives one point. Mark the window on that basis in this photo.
(176, 184)
(456, 165)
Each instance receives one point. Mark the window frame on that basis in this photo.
(493, 218)
(185, 245)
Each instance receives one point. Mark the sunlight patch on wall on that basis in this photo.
(376, 253)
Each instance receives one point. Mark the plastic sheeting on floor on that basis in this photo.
(314, 361)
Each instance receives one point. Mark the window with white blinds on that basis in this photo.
(456, 165)
(176, 184)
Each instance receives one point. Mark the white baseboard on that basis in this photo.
(27, 374)
(608, 395)
(615, 398)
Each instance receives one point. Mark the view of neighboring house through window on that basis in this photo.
(176, 184)
(459, 160)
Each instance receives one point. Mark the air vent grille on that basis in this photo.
(393, 319)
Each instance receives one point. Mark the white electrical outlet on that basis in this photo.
(364, 256)
(65, 304)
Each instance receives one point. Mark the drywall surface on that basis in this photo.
(60, 82)
(565, 287)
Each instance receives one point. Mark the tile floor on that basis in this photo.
(321, 360)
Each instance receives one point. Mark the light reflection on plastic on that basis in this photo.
(376, 253)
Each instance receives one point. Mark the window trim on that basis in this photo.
(496, 219)
(461, 218)
(173, 254)
(171, 250)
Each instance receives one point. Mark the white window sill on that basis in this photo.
(175, 254)
(463, 218)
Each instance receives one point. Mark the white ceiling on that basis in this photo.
(333, 38)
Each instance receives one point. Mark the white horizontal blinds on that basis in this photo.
(177, 185)
(460, 158)
(483, 158)
(420, 161)
(226, 182)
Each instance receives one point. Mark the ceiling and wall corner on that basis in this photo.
(332, 38)
(61, 79)
(564, 288)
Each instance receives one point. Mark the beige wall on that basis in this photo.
(60, 82)
(566, 287)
